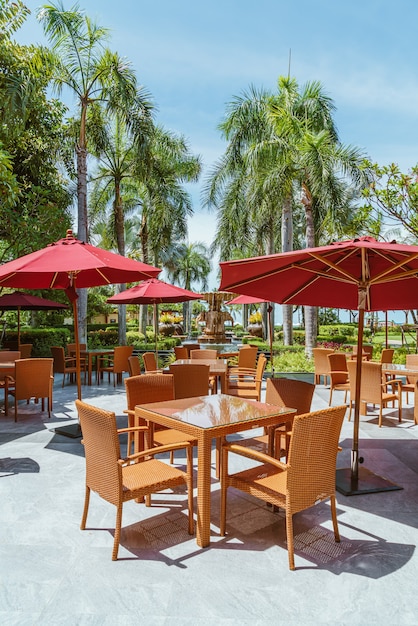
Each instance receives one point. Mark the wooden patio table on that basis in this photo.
(206, 418)
(91, 355)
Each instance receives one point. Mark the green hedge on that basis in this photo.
(41, 339)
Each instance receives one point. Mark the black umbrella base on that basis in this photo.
(367, 482)
(72, 430)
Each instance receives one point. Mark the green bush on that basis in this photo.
(42, 339)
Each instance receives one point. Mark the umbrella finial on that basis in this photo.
(69, 234)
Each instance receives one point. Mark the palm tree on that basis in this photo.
(81, 62)
(283, 151)
(189, 265)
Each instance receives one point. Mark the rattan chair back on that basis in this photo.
(25, 350)
(190, 379)
(134, 365)
(33, 379)
(387, 355)
(289, 392)
(247, 357)
(150, 361)
(321, 365)
(204, 353)
(373, 390)
(181, 352)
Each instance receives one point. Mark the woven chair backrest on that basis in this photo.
(121, 355)
(181, 352)
(150, 361)
(204, 353)
(247, 357)
(101, 450)
(312, 457)
(337, 362)
(296, 394)
(33, 378)
(149, 388)
(58, 355)
(190, 380)
(134, 366)
(320, 356)
(387, 355)
(25, 350)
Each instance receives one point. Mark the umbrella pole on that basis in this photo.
(269, 310)
(74, 430)
(18, 327)
(156, 330)
(354, 480)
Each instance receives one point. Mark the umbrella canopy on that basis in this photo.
(153, 291)
(71, 264)
(18, 301)
(361, 274)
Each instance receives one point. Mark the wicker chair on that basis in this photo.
(387, 355)
(321, 365)
(283, 392)
(150, 362)
(134, 366)
(247, 383)
(307, 478)
(33, 379)
(146, 389)
(207, 353)
(373, 390)
(204, 353)
(190, 379)
(65, 365)
(181, 352)
(8, 356)
(247, 357)
(115, 364)
(25, 350)
(409, 385)
(118, 480)
(338, 373)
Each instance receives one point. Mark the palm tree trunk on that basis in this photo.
(287, 245)
(120, 238)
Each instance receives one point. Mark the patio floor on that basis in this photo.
(53, 573)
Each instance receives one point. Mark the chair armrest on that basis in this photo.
(395, 381)
(157, 450)
(254, 454)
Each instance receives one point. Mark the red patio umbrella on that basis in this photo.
(71, 264)
(242, 299)
(155, 292)
(362, 274)
(19, 301)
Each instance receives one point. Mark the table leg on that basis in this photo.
(204, 449)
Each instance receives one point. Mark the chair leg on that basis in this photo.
(189, 454)
(289, 536)
(117, 533)
(334, 519)
(86, 508)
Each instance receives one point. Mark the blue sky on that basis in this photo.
(194, 57)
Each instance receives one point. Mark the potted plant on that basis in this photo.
(166, 326)
(255, 326)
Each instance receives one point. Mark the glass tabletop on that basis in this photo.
(215, 410)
